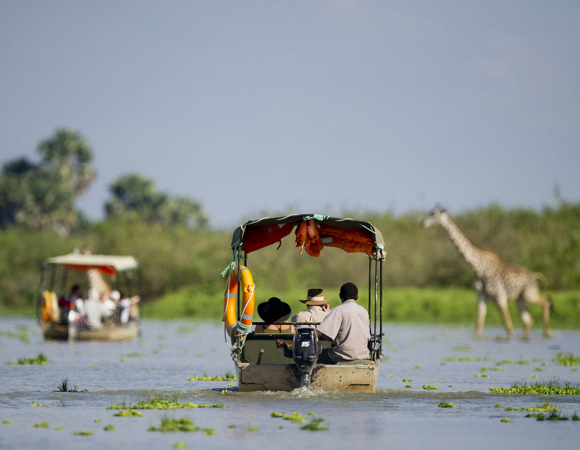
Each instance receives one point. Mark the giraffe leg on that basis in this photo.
(532, 295)
(525, 315)
(502, 304)
(481, 313)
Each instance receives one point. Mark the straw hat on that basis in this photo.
(274, 310)
(316, 297)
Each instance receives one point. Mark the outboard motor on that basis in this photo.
(305, 353)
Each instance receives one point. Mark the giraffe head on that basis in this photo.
(436, 215)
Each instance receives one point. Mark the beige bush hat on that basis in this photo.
(316, 297)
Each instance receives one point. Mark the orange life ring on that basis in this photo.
(230, 297)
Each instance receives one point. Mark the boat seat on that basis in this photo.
(356, 361)
(255, 342)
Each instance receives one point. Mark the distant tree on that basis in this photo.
(41, 196)
(135, 197)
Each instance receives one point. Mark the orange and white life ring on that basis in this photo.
(230, 300)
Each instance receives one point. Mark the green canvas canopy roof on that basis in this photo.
(358, 227)
(118, 263)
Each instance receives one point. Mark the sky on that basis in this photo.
(267, 107)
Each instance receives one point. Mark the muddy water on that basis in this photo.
(396, 417)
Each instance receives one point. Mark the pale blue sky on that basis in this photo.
(314, 106)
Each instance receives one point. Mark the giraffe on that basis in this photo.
(496, 280)
(96, 280)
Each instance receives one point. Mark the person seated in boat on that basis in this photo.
(108, 306)
(347, 326)
(274, 312)
(129, 309)
(93, 310)
(317, 308)
(73, 301)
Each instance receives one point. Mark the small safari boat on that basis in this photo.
(260, 365)
(100, 272)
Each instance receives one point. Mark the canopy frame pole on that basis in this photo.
(376, 292)
(370, 280)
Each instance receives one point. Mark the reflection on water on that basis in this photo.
(157, 365)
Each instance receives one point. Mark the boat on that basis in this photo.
(104, 274)
(259, 364)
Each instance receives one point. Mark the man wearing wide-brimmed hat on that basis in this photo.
(317, 307)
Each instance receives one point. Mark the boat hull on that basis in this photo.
(285, 377)
(108, 332)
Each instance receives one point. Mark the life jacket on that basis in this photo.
(346, 245)
(256, 238)
(308, 237)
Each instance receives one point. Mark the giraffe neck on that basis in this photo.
(97, 282)
(470, 252)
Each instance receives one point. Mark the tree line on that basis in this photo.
(178, 250)
(40, 196)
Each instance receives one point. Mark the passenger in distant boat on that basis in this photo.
(93, 310)
(74, 300)
(274, 312)
(317, 308)
(128, 307)
(347, 326)
(108, 307)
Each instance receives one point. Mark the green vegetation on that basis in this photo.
(65, 387)
(163, 403)
(83, 433)
(315, 425)
(429, 387)
(40, 360)
(446, 405)
(567, 359)
(128, 413)
(184, 424)
(465, 359)
(506, 419)
(552, 387)
(546, 407)
(294, 417)
(227, 377)
(551, 416)
(109, 428)
(38, 405)
(41, 425)
(7, 422)
(58, 427)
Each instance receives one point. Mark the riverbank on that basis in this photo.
(400, 305)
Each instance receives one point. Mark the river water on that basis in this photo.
(395, 417)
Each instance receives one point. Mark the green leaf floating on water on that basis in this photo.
(129, 413)
(163, 403)
(315, 425)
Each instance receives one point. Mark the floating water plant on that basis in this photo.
(481, 375)
(548, 388)
(295, 417)
(498, 405)
(461, 348)
(163, 403)
(41, 425)
(227, 377)
(129, 413)
(315, 425)
(496, 368)
(406, 380)
(65, 387)
(179, 444)
(466, 358)
(533, 376)
(417, 367)
(429, 387)
(22, 335)
(505, 419)
(446, 405)
(253, 429)
(276, 414)
(38, 405)
(184, 424)
(40, 360)
(83, 433)
(546, 407)
(7, 422)
(551, 416)
(58, 427)
(567, 359)
(575, 417)
(109, 427)
(209, 431)
(408, 386)
(538, 369)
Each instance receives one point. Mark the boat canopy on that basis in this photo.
(105, 263)
(312, 232)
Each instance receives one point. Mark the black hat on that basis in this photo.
(273, 310)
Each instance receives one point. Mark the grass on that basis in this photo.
(163, 403)
(65, 387)
(551, 387)
(40, 360)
